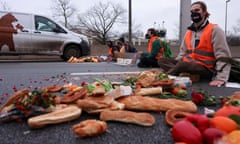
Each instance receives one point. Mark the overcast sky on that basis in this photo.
(144, 12)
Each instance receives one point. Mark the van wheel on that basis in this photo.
(71, 50)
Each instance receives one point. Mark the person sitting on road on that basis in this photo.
(155, 50)
(203, 44)
(112, 49)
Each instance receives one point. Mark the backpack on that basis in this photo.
(167, 51)
(234, 75)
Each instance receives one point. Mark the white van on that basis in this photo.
(24, 33)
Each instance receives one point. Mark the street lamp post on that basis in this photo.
(227, 1)
(130, 22)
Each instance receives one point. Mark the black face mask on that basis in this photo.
(196, 17)
(147, 36)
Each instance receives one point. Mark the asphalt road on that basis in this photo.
(18, 75)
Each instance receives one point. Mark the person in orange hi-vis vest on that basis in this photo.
(112, 49)
(203, 44)
(154, 52)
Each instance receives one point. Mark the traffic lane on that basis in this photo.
(30, 58)
(33, 68)
(117, 133)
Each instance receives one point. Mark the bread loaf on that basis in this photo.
(140, 118)
(69, 113)
(156, 104)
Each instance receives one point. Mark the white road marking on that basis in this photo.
(104, 73)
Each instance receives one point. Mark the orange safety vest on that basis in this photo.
(110, 52)
(150, 43)
(203, 54)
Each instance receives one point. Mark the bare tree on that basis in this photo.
(64, 10)
(101, 18)
(4, 6)
(136, 31)
(236, 29)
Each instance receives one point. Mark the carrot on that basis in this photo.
(175, 90)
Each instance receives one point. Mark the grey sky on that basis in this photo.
(144, 12)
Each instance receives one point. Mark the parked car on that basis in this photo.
(25, 33)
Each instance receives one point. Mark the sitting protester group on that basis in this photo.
(203, 45)
(120, 49)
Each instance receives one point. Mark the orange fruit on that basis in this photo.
(223, 123)
(234, 137)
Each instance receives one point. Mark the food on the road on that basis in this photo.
(52, 88)
(149, 91)
(17, 96)
(155, 104)
(98, 104)
(73, 96)
(69, 113)
(173, 116)
(89, 128)
(139, 118)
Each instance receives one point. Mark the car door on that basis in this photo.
(47, 36)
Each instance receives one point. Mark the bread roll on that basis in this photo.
(69, 113)
(114, 106)
(89, 128)
(146, 78)
(156, 104)
(144, 119)
(73, 96)
(173, 116)
(52, 88)
(93, 103)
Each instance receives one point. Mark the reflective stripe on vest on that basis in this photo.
(203, 54)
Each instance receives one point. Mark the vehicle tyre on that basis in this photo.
(71, 50)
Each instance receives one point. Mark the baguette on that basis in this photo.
(143, 119)
(148, 91)
(69, 113)
(156, 104)
(89, 128)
